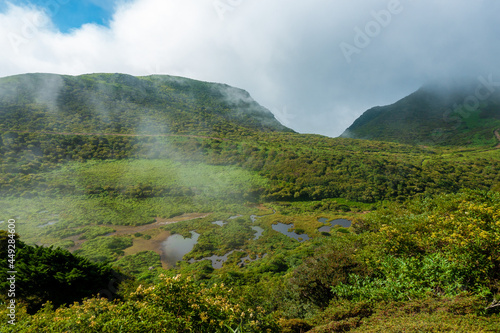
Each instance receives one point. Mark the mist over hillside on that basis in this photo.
(448, 112)
(124, 104)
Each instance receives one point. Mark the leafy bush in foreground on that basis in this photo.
(430, 254)
(175, 304)
(55, 275)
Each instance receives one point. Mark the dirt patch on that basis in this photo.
(153, 244)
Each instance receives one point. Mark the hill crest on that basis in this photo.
(439, 113)
(126, 104)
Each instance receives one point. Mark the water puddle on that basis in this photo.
(283, 228)
(176, 246)
(218, 261)
(341, 222)
(220, 223)
(258, 232)
(246, 260)
(47, 224)
(338, 222)
(325, 228)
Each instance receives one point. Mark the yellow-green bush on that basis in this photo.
(175, 304)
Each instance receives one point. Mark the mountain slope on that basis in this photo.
(118, 103)
(436, 114)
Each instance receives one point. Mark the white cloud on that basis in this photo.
(285, 53)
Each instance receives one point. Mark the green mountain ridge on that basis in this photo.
(445, 113)
(99, 172)
(124, 104)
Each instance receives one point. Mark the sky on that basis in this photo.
(316, 64)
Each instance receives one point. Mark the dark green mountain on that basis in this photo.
(437, 114)
(118, 103)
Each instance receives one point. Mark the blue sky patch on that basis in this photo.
(70, 14)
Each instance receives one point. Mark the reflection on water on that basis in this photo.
(47, 224)
(176, 246)
(221, 223)
(338, 222)
(325, 228)
(258, 232)
(283, 228)
(218, 261)
(248, 259)
(341, 222)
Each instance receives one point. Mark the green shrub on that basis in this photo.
(172, 305)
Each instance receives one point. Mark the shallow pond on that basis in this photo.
(176, 246)
(341, 222)
(283, 228)
(325, 228)
(258, 232)
(220, 223)
(47, 224)
(218, 261)
(248, 259)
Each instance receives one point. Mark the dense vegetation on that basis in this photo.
(124, 104)
(300, 167)
(426, 265)
(109, 167)
(51, 274)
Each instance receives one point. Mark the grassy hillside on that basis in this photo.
(421, 252)
(124, 104)
(450, 115)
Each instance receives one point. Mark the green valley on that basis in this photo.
(102, 171)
